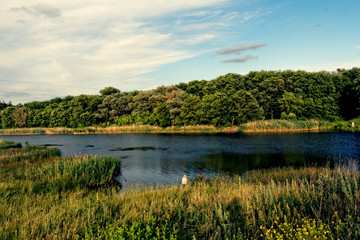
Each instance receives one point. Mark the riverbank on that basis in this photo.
(262, 126)
(68, 198)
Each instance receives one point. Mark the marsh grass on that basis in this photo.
(279, 125)
(27, 154)
(112, 130)
(69, 198)
(6, 145)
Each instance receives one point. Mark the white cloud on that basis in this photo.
(81, 43)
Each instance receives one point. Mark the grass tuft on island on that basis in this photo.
(77, 198)
(279, 125)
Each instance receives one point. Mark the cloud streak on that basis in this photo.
(239, 48)
(240, 59)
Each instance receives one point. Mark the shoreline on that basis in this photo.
(70, 131)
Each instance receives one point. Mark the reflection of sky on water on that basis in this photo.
(164, 158)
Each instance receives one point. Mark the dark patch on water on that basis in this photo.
(89, 146)
(136, 149)
(52, 145)
(235, 163)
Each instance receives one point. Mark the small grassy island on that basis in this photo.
(45, 196)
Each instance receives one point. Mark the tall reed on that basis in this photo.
(285, 125)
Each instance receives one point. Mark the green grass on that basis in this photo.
(347, 125)
(6, 145)
(69, 198)
(277, 125)
(27, 154)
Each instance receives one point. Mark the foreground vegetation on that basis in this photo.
(69, 198)
(226, 101)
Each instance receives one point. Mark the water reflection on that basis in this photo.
(233, 163)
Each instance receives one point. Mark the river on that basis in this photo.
(165, 158)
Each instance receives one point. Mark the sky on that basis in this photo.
(56, 48)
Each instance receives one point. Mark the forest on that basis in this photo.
(228, 100)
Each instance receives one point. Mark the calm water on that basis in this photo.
(164, 158)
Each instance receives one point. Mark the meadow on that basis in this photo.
(55, 197)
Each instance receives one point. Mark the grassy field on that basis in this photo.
(78, 198)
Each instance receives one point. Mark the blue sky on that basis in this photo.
(56, 48)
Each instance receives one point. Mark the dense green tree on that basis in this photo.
(189, 110)
(113, 106)
(108, 91)
(4, 105)
(161, 116)
(7, 120)
(214, 109)
(290, 103)
(20, 116)
(272, 89)
(244, 107)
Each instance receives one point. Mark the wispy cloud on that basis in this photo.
(44, 9)
(97, 43)
(316, 26)
(240, 59)
(305, 25)
(239, 48)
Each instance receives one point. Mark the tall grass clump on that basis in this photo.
(27, 153)
(6, 145)
(73, 174)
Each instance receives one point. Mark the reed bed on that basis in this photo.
(278, 125)
(285, 126)
(193, 129)
(112, 130)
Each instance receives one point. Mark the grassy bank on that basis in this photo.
(112, 130)
(69, 198)
(255, 126)
(347, 125)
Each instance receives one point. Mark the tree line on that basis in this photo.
(228, 100)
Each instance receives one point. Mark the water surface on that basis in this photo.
(164, 158)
